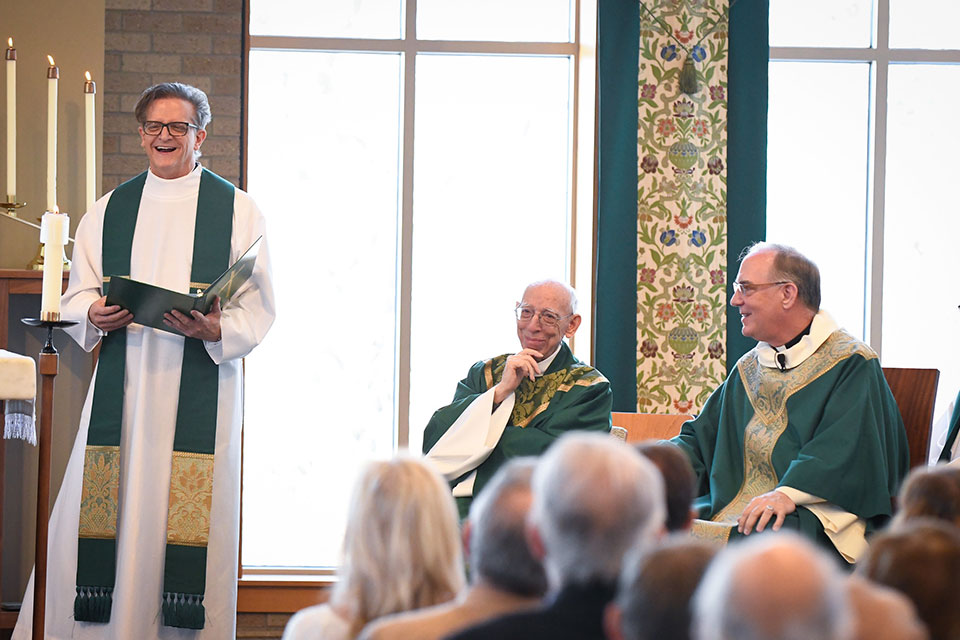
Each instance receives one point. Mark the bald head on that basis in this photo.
(560, 291)
(774, 587)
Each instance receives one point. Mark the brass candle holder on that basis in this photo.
(10, 211)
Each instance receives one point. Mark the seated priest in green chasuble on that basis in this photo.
(804, 433)
(145, 531)
(519, 404)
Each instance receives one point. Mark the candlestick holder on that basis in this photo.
(49, 365)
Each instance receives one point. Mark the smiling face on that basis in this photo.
(535, 334)
(761, 311)
(171, 156)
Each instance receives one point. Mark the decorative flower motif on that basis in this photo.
(665, 311)
(715, 350)
(648, 348)
(715, 166)
(683, 36)
(665, 127)
(717, 93)
(649, 163)
(683, 220)
(649, 91)
(669, 52)
(698, 238)
(683, 406)
(700, 128)
(683, 109)
(647, 275)
(698, 53)
(717, 276)
(683, 293)
(668, 237)
(700, 313)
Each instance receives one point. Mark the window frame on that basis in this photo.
(279, 590)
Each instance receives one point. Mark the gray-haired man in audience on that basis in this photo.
(505, 576)
(594, 498)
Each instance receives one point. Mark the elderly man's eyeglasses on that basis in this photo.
(176, 129)
(750, 288)
(548, 317)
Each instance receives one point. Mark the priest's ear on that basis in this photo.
(573, 325)
(789, 295)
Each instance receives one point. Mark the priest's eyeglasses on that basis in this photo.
(176, 129)
(548, 317)
(749, 288)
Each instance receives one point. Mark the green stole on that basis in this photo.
(191, 478)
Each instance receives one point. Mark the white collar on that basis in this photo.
(544, 364)
(820, 329)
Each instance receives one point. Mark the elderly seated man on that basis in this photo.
(805, 432)
(519, 404)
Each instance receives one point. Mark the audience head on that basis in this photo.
(593, 498)
(678, 479)
(881, 613)
(401, 545)
(776, 586)
(496, 532)
(657, 585)
(930, 492)
(921, 559)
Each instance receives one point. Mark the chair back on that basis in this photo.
(915, 391)
(649, 426)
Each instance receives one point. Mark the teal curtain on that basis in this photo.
(618, 54)
(746, 148)
(615, 343)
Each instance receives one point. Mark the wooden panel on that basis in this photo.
(649, 426)
(286, 595)
(915, 391)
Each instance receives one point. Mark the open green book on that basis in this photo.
(149, 302)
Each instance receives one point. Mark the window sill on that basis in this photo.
(281, 593)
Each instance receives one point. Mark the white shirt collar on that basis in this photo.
(820, 329)
(546, 362)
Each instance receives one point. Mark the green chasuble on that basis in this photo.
(829, 427)
(569, 395)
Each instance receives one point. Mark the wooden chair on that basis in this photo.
(649, 426)
(915, 391)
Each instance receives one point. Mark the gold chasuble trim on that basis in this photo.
(191, 495)
(99, 495)
(533, 398)
(713, 533)
(768, 392)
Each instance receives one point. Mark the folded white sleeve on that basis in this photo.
(846, 530)
(470, 440)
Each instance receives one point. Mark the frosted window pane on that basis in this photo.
(326, 18)
(491, 209)
(924, 24)
(821, 23)
(921, 324)
(817, 175)
(500, 20)
(323, 149)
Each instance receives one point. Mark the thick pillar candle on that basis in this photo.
(89, 95)
(54, 234)
(11, 58)
(53, 77)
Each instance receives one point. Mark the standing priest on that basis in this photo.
(518, 404)
(804, 433)
(144, 533)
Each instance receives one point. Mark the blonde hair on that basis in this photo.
(401, 547)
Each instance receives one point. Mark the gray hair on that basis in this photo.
(570, 291)
(593, 499)
(657, 586)
(773, 586)
(499, 552)
(789, 264)
(193, 95)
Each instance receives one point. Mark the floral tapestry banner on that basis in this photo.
(681, 203)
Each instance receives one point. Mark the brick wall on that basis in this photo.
(260, 626)
(199, 42)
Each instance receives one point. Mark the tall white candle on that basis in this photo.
(54, 230)
(53, 76)
(89, 94)
(11, 57)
